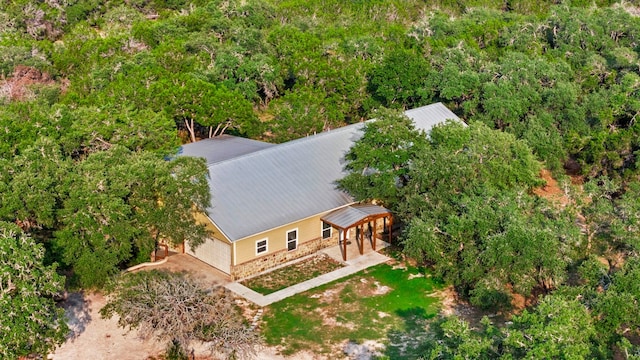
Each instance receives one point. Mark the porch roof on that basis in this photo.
(350, 216)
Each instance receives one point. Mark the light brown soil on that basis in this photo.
(17, 87)
(551, 191)
(95, 338)
(366, 288)
(452, 304)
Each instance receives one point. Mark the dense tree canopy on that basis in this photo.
(106, 193)
(30, 321)
(463, 194)
(537, 73)
(96, 95)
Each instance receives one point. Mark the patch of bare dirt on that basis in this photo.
(331, 295)
(18, 86)
(329, 319)
(452, 304)
(369, 349)
(518, 302)
(368, 288)
(577, 180)
(629, 7)
(551, 191)
(93, 337)
(448, 300)
(414, 276)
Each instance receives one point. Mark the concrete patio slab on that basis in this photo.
(201, 271)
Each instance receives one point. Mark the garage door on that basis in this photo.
(214, 252)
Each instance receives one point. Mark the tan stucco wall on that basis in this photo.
(308, 229)
(245, 262)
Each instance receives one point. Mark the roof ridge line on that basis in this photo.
(293, 142)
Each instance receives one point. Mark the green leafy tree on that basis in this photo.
(453, 338)
(495, 245)
(378, 163)
(609, 220)
(463, 161)
(463, 194)
(302, 113)
(557, 328)
(33, 185)
(30, 321)
(193, 102)
(121, 204)
(400, 80)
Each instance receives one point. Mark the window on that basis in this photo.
(292, 239)
(326, 230)
(261, 246)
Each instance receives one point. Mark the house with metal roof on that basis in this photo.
(274, 203)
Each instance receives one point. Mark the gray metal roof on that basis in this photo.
(426, 117)
(289, 182)
(348, 216)
(220, 148)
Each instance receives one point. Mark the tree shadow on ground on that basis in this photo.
(77, 312)
(410, 342)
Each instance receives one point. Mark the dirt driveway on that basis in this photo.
(96, 338)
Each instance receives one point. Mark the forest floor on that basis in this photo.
(551, 190)
(20, 86)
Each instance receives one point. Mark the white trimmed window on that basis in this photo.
(261, 246)
(326, 230)
(292, 239)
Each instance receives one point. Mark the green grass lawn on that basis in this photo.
(383, 303)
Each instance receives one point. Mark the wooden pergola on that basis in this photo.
(357, 216)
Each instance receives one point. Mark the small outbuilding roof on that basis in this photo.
(349, 216)
(281, 184)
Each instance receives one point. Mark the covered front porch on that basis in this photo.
(370, 223)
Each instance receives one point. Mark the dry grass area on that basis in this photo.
(292, 274)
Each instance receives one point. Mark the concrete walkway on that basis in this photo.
(357, 263)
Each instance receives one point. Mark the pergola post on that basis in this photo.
(390, 228)
(344, 244)
(361, 245)
(374, 234)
